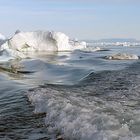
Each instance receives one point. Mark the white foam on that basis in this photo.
(123, 56)
(75, 117)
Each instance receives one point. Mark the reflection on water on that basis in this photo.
(17, 120)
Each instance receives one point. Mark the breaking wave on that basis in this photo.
(106, 108)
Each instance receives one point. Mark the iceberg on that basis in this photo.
(123, 56)
(39, 41)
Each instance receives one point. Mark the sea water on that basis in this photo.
(77, 95)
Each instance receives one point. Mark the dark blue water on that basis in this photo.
(71, 95)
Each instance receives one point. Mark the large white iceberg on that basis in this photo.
(40, 41)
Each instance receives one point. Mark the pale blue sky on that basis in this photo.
(83, 19)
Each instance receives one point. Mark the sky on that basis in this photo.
(82, 19)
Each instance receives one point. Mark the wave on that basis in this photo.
(39, 71)
(94, 111)
(75, 116)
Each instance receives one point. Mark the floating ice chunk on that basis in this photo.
(91, 49)
(76, 45)
(123, 56)
(81, 45)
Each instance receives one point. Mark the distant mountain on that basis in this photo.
(114, 40)
(118, 40)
